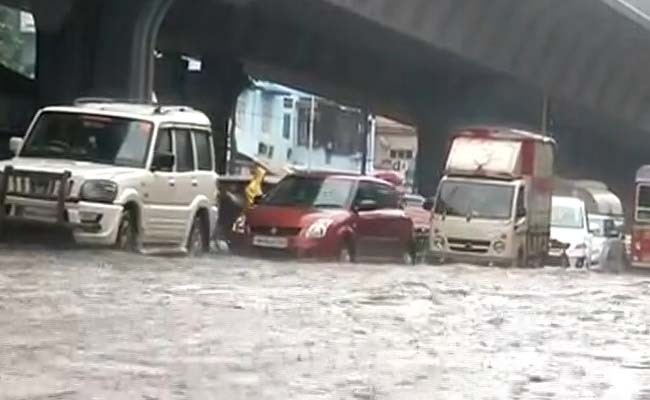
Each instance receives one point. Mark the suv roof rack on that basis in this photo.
(164, 109)
(158, 108)
(86, 100)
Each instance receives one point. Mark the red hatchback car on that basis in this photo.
(327, 216)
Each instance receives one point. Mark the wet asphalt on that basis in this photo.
(95, 324)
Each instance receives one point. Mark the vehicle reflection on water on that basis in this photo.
(95, 324)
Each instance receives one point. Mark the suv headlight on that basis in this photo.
(318, 229)
(240, 225)
(101, 191)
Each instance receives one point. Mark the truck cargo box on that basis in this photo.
(597, 197)
(500, 153)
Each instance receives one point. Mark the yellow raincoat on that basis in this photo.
(254, 187)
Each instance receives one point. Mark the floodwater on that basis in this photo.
(85, 324)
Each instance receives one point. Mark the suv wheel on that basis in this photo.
(196, 242)
(127, 235)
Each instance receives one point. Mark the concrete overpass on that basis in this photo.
(433, 63)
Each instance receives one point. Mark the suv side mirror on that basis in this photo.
(15, 143)
(163, 161)
(428, 204)
(366, 205)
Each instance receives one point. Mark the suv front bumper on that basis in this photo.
(90, 223)
(37, 198)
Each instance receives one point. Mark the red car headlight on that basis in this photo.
(318, 229)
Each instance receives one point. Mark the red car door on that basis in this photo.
(381, 231)
(367, 222)
(397, 227)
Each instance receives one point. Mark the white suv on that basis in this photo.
(128, 175)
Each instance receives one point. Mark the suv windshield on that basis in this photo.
(564, 216)
(475, 200)
(312, 192)
(83, 137)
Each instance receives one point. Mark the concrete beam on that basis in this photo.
(97, 47)
(550, 44)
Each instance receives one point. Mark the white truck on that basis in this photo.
(493, 204)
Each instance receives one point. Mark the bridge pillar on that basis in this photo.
(225, 79)
(213, 90)
(592, 151)
(96, 48)
(494, 103)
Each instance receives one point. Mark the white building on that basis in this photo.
(272, 123)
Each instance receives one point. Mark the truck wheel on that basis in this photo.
(127, 235)
(197, 241)
(520, 261)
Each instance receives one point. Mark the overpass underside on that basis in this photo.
(433, 63)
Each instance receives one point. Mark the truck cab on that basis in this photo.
(493, 202)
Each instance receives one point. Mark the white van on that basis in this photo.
(570, 230)
(603, 208)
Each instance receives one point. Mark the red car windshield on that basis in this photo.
(316, 192)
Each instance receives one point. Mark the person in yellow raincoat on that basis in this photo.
(254, 187)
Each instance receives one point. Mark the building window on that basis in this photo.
(262, 148)
(242, 103)
(288, 102)
(286, 126)
(303, 126)
(401, 154)
(267, 112)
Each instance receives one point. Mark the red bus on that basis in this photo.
(640, 246)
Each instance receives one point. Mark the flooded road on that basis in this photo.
(78, 324)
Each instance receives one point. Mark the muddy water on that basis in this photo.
(101, 325)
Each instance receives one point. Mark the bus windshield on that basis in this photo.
(643, 203)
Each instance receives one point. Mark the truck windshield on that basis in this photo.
(317, 192)
(475, 200)
(83, 137)
(643, 204)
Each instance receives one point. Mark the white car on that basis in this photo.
(115, 174)
(570, 226)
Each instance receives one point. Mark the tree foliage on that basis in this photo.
(11, 39)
